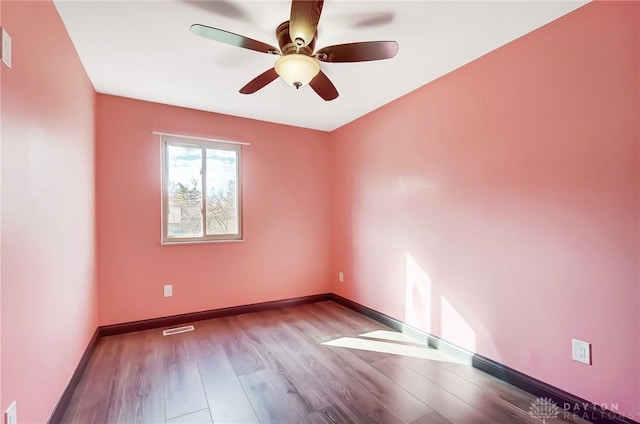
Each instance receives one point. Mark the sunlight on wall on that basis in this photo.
(417, 296)
(454, 328)
(411, 184)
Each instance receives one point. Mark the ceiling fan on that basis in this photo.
(298, 64)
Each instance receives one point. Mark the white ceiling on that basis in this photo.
(145, 50)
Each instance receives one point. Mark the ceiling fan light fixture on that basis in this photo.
(297, 70)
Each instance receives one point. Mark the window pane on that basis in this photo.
(184, 165)
(222, 189)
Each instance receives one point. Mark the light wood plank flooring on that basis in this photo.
(313, 363)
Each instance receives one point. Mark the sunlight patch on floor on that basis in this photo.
(393, 336)
(421, 352)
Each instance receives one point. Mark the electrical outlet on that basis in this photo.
(581, 351)
(168, 290)
(341, 277)
(6, 48)
(11, 415)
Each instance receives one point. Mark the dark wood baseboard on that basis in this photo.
(584, 409)
(581, 407)
(148, 324)
(63, 402)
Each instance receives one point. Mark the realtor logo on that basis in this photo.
(544, 409)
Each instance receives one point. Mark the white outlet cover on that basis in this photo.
(6, 48)
(581, 351)
(168, 290)
(11, 415)
(341, 277)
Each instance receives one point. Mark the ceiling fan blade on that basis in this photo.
(260, 81)
(233, 39)
(303, 22)
(224, 8)
(358, 52)
(322, 85)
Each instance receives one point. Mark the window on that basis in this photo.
(201, 190)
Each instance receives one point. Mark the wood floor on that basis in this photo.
(313, 363)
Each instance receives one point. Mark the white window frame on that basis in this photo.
(202, 143)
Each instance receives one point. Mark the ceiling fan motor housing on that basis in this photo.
(288, 46)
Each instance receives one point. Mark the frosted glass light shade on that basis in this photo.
(297, 69)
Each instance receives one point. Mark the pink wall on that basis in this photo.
(286, 215)
(1, 69)
(49, 309)
(498, 206)
(489, 207)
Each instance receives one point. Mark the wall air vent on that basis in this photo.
(177, 330)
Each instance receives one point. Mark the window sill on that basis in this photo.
(173, 243)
